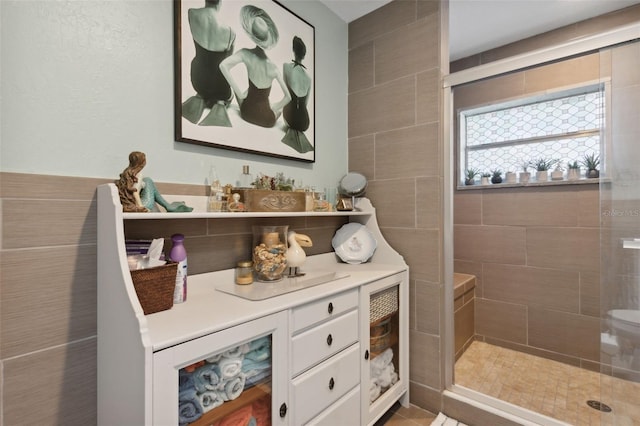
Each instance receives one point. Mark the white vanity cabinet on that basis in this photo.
(314, 344)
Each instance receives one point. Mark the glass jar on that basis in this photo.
(269, 252)
(244, 272)
(320, 203)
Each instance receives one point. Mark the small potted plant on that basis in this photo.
(484, 178)
(524, 174)
(591, 163)
(557, 173)
(470, 177)
(573, 170)
(542, 166)
(510, 177)
(496, 176)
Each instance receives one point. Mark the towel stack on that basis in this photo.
(382, 374)
(222, 377)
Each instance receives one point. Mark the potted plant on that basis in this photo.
(524, 174)
(573, 172)
(470, 178)
(557, 173)
(542, 166)
(591, 162)
(484, 178)
(496, 176)
(510, 177)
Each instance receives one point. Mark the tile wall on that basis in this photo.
(395, 140)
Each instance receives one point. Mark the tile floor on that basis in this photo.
(548, 387)
(400, 416)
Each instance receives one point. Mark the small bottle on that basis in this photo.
(179, 254)
(246, 179)
(309, 199)
(244, 272)
(216, 193)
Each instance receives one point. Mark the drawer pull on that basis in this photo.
(330, 308)
(283, 410)
(366, 354)
(329, 340)
(332, 383)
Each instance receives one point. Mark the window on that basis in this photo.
(562, 127)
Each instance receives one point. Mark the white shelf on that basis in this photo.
(199, 205)
(236, 215)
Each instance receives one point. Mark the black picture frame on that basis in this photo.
(232, 128)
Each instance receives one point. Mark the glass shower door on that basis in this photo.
(620, 242)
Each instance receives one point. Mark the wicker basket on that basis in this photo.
(155, 286)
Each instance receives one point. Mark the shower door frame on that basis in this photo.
(479, 400)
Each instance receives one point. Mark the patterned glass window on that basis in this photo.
(563, 127)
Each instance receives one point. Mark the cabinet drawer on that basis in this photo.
(318, 343)
(323, 309)
(346, 411)
(318, 388)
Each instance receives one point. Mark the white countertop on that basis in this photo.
(208, 310)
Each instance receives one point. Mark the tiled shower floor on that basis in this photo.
(548, 387)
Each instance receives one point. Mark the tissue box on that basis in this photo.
(265, 200)
(155, 286)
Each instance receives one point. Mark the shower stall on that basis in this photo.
(556, 261)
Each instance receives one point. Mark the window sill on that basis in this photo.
(583, 181)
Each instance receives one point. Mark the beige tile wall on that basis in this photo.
(537, 249)
(48, 287)
(395, 140)
(538, 268)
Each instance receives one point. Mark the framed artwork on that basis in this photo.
(245, 77)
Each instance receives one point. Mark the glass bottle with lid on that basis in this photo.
(244, 272)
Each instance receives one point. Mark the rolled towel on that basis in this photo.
(228, 368)
(235, 352)
(214, 358)
(210, 400)
(384, 379)
(206, 378)
(232, 388)
(383, 359)
(374, 391)
(185, 380)
(261, 342)
(394, 378)
(189, 407)
(380, 362)
(259, 354)
(255, 371)
(257, 377)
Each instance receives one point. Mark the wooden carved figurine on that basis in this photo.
(129, 184)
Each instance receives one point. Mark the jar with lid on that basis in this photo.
(244, 272)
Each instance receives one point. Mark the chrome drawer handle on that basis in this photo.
(332, 383)
(329, 340)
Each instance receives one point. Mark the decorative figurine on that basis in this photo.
(236, 205)
(295, 253)
(140, 195)
(129, 184)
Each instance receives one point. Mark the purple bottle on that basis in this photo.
(179, 254)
